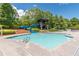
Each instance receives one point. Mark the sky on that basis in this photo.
(66, 10)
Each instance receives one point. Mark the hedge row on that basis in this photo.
(8, 31)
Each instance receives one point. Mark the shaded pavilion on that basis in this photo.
(43, 23)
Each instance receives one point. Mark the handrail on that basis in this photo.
(26, 39)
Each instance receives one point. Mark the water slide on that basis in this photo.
(30, 27)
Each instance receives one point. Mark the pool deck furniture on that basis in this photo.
(16, 48)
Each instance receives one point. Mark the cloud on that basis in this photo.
(19, 11)
(26, 10)
(14, 7)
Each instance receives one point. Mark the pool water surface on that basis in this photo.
(47, 40)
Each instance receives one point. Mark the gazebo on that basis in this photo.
(43, 23)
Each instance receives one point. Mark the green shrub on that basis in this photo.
(52, 29)
(36, 29)
(8, 31)
(6, 27)
(76, 27)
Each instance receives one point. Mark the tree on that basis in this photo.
(48, 15)
(74, 21)
(63, 23)
(7, 15)
(34, 14)
(25, 21)
(56, 22)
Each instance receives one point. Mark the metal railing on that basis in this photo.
(26, 39)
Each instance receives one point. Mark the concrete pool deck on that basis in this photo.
(14, 48)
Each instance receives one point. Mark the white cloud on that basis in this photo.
(14, 7)
(26, 10)
(20, 11)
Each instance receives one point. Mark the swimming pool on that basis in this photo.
(47, 40)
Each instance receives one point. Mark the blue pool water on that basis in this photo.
(47, 40)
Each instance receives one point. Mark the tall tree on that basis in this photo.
(34, 14)
(63, 22)
(7, 14)
(48, 15)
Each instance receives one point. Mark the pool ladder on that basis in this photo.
(26, 39)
